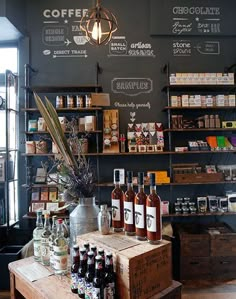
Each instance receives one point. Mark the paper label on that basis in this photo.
(139, 216)
(45, 250)
(37, 248)
(74, 281)
(89, 291)
(96, 293)
(151, 218)
(116, 209)
(128, 212)
(109, 291)
(81, 286)
(60, 257)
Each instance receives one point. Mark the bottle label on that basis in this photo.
(51, 254)
(96, 293)
(60, 257)
(139, 216)
(74, 281)
(88, 291)
(110, 291)
(81, 286)
(116, 209)
(45, 251)
(128, 212)
(37, 248)
(151, 218)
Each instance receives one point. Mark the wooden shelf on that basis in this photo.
(78, 132)
(65, 109)
(65, 89)
(201, 87)
(200, 108)
(201, 214)
(200, 130)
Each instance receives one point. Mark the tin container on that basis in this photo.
(104, 220)
(70, 101)
(79, 102)
(60, 102)
(88, 101)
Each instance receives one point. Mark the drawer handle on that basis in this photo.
(194, 263)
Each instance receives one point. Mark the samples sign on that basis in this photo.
(190, 17)
(131, 86)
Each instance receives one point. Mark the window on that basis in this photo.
(9, 188)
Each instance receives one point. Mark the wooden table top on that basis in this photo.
(51, 287)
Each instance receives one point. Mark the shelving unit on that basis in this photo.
(31, 112)
(178, 135)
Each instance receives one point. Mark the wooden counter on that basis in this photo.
(57, 287)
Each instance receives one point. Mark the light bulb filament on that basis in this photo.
(97, 30)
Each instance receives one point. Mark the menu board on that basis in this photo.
(193, 18)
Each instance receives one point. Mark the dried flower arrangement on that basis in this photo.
(77, 175)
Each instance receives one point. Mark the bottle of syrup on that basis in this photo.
(129, 206)
(140, 210)
(117, 198)
(153, 214)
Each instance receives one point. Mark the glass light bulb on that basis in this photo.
(97, 31)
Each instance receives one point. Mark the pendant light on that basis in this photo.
(99, 24)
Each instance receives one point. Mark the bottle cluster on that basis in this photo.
(137, 213)
(92, 273)
(50, 244)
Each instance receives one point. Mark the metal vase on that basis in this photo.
(83, 219)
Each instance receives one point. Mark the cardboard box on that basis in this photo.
(142, 269)
(100, 99)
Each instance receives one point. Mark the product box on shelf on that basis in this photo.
(142, 269)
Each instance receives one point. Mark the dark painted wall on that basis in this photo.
(62, 58)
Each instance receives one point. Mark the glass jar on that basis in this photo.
(104, 220)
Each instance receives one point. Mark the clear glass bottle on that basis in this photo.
(82, 272)
(129, 198)
(45, 248)
(153, 213)
(110, 278)
(140, 210)
(89, 275)
(60, 248)
(51, 239)
(37, 233)
(117, 198)
(104, 220)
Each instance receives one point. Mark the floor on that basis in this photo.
(195, 290)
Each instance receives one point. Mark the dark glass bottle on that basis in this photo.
(89, 275)
(129, 198)
(81, 272)
(117, 198)
(98, 280)
(140, 210)
(87, 247)
(102, 254)
(110, 278)
(74, 270)
(153, 213)
(93, 248)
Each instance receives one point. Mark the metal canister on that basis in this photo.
(104, 220)
(79, 101)
(60, 102)
(70, 101)
(88, 100)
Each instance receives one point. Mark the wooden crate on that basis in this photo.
(195, 268)
(222, 240)
(172, 292)
(142, 269)
(194, 241)
(198, 177)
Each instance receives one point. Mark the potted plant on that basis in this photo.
(77, 174)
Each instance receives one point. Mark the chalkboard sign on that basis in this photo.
(192, 18)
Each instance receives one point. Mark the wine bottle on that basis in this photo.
(129, 226)
(140, 210)
(153, 214)
(117, 197)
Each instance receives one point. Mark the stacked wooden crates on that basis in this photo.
(206, 251)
